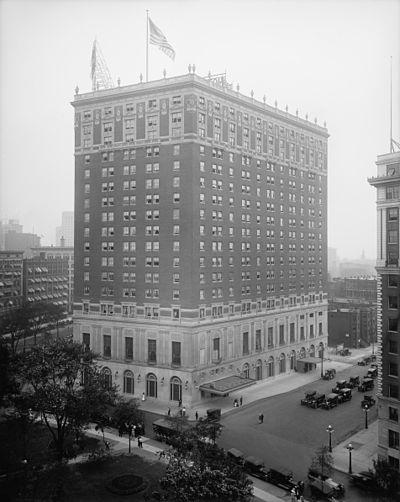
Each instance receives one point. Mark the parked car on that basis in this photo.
(368, 401)
(344, 395)
(372, 373)
(354, 381)
(340, 384)
(364, 361)
(236, 455)
(331, 401)
(329, 374)
(325, 485)
(255, 467)
(366, 384)
(317, 400)
(308, 397)
(364, 480)
(282, 478)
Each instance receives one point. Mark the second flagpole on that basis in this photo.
(147, 45)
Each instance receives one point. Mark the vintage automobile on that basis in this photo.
(367, 401)
(329, 374)
(282, 478)
(354, 381)
(344, 395)
(255, 467)
(340, 384)
(364, 480)
(364, 361)
(366, 384)
(331, 401)
(317, 400)
(325, 485)
(372, 373)
(308, 397)
(236, 455)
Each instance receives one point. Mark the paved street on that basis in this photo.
(291, 433)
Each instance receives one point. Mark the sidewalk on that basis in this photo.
(364, 443)
(263, 388)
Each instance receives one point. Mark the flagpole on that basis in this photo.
(147, 45)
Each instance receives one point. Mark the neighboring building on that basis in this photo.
(361, 288)
(51, 252)
(46, 279)
(387, 183)
(21, 241)
(200, 237)
(356, 268)
(6, 226)
(10, 280)
(333, 263)
(351, 325)
(66, 230)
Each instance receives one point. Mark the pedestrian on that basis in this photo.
(120, 431)
(183, 411)
(180, 403)
(169, 412)
(143, 397)
(139, 442)
(180, 412)
(293, 495)
(261, 418)
(241, 400)
(196, 416)
(235, 403)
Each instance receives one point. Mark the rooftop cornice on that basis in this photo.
(204, 84)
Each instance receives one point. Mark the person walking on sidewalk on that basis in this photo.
(241, 400)
(196, 416)
(139, 442)
(169, 412)
(261, 418)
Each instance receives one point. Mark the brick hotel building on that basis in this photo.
(200, 237)
(387, 184)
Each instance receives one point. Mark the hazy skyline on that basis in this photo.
(329, 59)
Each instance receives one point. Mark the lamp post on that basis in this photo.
(366, 410)
(130, 428)
(330, 430)
(322, 361)
(350, 448)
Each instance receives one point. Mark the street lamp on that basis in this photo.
(322, 361)
(350, 448)
(329, 430)
(366, 410)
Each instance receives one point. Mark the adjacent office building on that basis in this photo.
(387, 183)
(65, 232)
(200, 237)
(11, 267)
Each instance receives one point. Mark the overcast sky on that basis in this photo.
(327, 58)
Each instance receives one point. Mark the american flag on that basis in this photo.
(157, 37)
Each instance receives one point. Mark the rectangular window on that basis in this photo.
(152, 351)
(107, 345)
(245, 343)
(176, 353)
(291, 332)
(394, 439)
(393, 302)
(393, 214)
(394, 391)
(270, 337)
(86, 340)
(258, 339)
(393, 369)
(281, 334)
(393, 414)
(392, 346)
(128, 347)
(216, 349)
(392, 324)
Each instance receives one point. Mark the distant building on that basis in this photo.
(356, 268)
(333, 264)
(5, 227)
(352, 311)
(66, 230)
(21, 241)
(387, 184)
(11, 269)
(45, 279)
(52, 252)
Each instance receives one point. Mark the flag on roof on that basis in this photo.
(157, 37)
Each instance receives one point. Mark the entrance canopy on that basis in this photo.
(224, 386)
(310, 360)
(307, 364)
